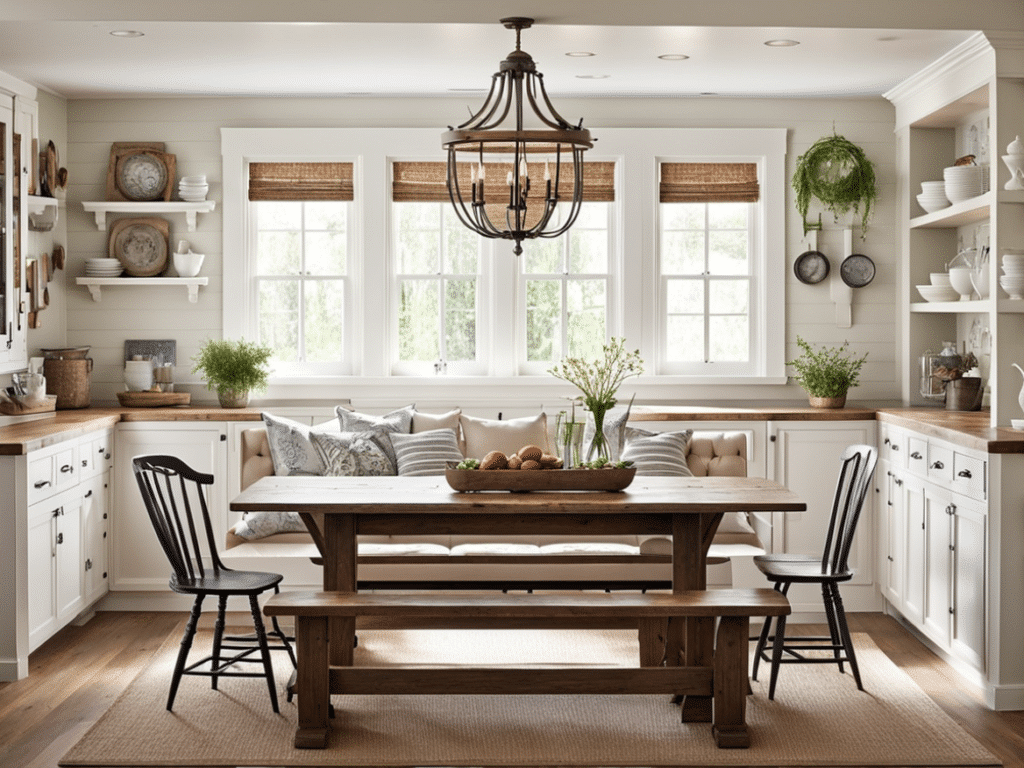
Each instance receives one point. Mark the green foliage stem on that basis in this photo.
(828, 372)
(233, 365)
(838, 173)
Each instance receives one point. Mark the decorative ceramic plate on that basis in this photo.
(811, 267)
(539, 479)
(857, 270)
(142, 176)
(142, 249)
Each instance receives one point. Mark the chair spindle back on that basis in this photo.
(858, 465)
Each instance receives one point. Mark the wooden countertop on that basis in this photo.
(970, 430)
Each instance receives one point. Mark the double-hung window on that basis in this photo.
(709, 266)
(299, 216)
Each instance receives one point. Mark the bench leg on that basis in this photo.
(312, 684)
(697, 651)
(652, 634)
(729, 724)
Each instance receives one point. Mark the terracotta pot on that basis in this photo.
(233, 398)
(827, 402)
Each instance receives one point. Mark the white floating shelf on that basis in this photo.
(101, 209)
(38, 204)
(952, 307)
(94, 284)
(957, 215)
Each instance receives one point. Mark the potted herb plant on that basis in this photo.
(826, 374)
(234, 369)
(838, 173)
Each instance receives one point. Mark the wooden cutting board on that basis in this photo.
(153, 399)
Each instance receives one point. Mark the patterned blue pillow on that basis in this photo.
(397, 421)
(352, 454)
(290, 446)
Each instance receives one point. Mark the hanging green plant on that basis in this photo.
(838, 173)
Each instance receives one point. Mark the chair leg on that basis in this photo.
(261, 637)
(762, 641)
(851, 655)
(218, 638)
(780, 635)
(833, 628)
(186, 646)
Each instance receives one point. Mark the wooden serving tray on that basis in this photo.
(21, 408)
(153, 399)
(539, 479)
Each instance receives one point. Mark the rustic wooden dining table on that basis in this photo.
(337, 510)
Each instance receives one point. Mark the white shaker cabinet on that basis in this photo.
(138, 562)
(805, 457)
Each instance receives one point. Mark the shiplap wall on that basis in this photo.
(190, 128)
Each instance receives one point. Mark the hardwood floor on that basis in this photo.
(79, 673)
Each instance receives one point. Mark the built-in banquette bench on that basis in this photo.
(533, 562)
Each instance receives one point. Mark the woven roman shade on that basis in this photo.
(300, 181)
(709, 183)
(426, 182)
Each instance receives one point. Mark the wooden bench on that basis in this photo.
(724, 680)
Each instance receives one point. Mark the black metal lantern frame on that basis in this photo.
(516, 84)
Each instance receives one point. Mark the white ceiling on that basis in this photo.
(75, 56)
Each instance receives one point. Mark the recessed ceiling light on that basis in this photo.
(673, 57)
(593, 77)
(888, 38)
(580, 54)
(781, 43)
(127, 33)
(708, 93)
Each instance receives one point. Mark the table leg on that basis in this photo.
(729, 725)
(692, 640)
(340, 576)
(312, 682)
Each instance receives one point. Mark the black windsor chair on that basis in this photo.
(176, 502)
(784, 570)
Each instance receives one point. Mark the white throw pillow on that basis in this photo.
(485, 435)
(425, 453)
(658, 453)
(424, 422)
(290, 446)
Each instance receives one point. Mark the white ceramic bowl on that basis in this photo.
(940, 279)
(138, 375)
(932, 205)
(193, 180)
(960, 280)
(937, 293)
(1017, 423)
(1013, 286)
(933, 186)
(1013, 260)
(188, 264)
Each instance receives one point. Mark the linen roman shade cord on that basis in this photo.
(426, 182)
(709, 183)
(300, 181)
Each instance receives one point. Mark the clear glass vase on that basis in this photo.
(598, 448)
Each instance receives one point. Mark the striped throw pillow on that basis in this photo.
(425, 453)
(658, 453)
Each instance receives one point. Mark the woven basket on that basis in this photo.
(69, 380)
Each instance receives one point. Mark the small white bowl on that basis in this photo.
(930, 206)
(937, 293)
(940, 279)
(1017, 423)
(193, 180)
(960, 280)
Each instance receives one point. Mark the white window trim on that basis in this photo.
(636, 152)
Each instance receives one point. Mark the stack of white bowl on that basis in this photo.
(1012, 280)
(193, 189)
(963, 182)
(103, 268)
(933, 196)
(939, 290)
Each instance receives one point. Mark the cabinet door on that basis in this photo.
(137, 560)
(969, 595)
(95, 512)
(10, 357)
(938, 535)
(911, 492)
(894, 526)
(42, 556)
(69, 563)
(804, 456)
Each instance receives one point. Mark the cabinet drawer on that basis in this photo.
(970, 475)
(893, 448)
(917, 456)
(41, 481)
(940, 464)
(65, 467)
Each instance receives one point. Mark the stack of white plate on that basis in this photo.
(193, 189)
(962, 182)
(103, 268)
(933, 196)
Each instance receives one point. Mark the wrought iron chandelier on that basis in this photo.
(513, 210)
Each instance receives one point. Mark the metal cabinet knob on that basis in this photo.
(916, 455)
(965, 473)
(938, 465)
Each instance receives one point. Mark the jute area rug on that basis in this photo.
(818, 717)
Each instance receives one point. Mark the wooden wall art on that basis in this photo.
(140, 172)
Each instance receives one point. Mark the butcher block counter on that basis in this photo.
(969, 429)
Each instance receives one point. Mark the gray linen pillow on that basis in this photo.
(658, 453)
(397, 421)
(426, 453)
(290, 446)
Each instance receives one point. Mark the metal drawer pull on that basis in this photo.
(916, 455)
(85, 462)
(67, 468)
(966, 473)
(88, 494)
(41, 483)
(938, 465)
(895, 447)
(60, 538)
